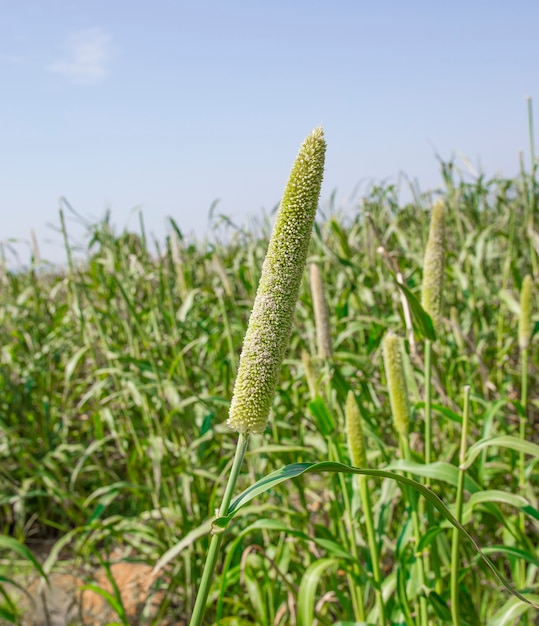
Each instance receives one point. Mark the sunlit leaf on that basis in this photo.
(296, 469)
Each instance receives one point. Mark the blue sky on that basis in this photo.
(168, 106)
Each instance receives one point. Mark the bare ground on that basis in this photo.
(73, 598)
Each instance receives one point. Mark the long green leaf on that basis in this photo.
(9, 543)
(173, 552)
(8, 615)
(496, 495)
(439, 470)
(511, 551)
(505, 441)
(307, 589)
(109, 598)
(511, 610)
(421, 318)
(297, 469)
(445, 411)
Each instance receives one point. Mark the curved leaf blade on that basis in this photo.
(422, 320)
(505, 441)
(296, 469)
(307, 589)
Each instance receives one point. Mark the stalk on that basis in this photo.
(400, 409)
(523, 420)
(458, 512)
(532, 200)
(432, 300)
(412, 501)
(524, 335)
(217, 537)
(428, 405)
(75, 303)
(348, 539)
(357, 450)
(428, 459)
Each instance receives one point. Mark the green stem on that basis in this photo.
(412, 500)
(373, 548)
(355, 591)
(458, 512)
(228, 333)
(531, 192)
(433, 550)
(211, 558)
(428, 405)
(506, 273)
(522, 463)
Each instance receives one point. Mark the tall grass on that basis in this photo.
(115, 381)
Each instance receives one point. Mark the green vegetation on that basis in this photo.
(116, 377)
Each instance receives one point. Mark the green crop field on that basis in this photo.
(117, 373)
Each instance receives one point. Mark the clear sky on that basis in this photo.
(170, 105)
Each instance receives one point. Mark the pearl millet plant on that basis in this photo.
(270, 324)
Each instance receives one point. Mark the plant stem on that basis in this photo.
(522, 462)
(428, 405)
(458, 512)
(355, 591)
(215, 544)
(412, 501)
(531, 191)
(433, 550)
(373, 548)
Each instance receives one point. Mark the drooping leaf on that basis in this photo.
(505, 441)
(439, 470)
(307, 589)
(511, 551)
(297, 469)
(9, 543)
(325, 421)
(445, 411)
(109, 598)
(421, 319)
(512, 610)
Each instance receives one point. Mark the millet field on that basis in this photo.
(395, 480)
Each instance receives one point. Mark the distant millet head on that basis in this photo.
(398, 392)
(270, 323)
(525, 320)
(433, 267)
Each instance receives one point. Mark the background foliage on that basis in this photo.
(116, 374)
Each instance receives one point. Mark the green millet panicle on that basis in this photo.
(398, 393)
(270, 323)
(354, 432)
(525, 320)
(321, 313)
(433, 266)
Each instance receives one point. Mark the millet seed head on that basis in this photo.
(396, 382)
(433, 267)
(270, 323)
